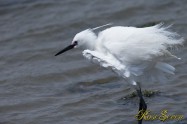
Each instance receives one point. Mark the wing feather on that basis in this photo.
(141, 50)
(107, 62)
(131, 45)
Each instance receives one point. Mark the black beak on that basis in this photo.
(66, 49)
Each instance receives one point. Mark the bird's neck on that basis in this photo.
(91, 41)
(91, 44)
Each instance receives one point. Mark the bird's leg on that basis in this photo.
(142, 104)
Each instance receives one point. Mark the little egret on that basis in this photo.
(136, 54)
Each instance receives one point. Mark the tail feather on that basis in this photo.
(165, 67)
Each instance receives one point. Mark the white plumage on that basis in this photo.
(136, 54)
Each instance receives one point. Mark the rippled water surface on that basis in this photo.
(38, 88)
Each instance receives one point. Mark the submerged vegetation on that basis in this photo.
(146, 93)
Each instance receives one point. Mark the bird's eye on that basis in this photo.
(75, 42)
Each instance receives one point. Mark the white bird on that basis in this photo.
(136, 54)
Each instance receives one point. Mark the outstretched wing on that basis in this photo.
(107, 61)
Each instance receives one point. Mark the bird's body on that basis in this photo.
(136, 54)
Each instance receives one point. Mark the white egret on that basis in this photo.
(136, 54)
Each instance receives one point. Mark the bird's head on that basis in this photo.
(84, 39)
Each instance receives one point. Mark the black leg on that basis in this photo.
(142, 104)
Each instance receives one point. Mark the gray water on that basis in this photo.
(38, 88)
